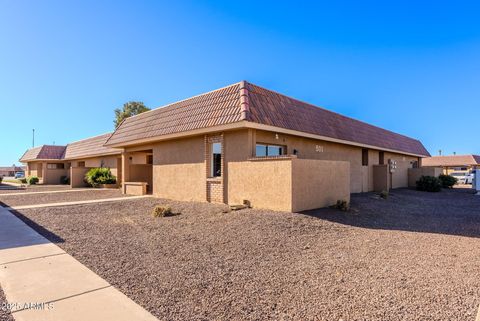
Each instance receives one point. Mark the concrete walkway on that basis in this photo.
(52, 192)
(127, 198)
(43, 283)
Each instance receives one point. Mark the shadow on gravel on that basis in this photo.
(452, 212)
(52, 237)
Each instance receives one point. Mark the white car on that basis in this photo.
(460, 176)
(469, 178)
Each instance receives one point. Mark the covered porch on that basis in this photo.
(137, 171)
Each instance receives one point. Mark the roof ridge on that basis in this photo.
(331, 111)
(244, 101)
(81, 140)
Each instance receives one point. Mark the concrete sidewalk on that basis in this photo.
(101, 200)
(43, 283)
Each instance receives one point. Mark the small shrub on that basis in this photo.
(429, 184)
(384, 194)
(65, 180)
(447, 181)
(1, 179)
(162, 211)
(98, 176)
(23, 180)
(342, 205)
(32, 180)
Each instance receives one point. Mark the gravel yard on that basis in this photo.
(414, 256)
(44, 198)
(5, 314)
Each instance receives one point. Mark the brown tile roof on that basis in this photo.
(225, 106)
(11, 168)
(44, 152)
(213, 108)
(454, 160)
(90, 147)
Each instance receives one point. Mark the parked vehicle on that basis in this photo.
(460, 176)
(469, 178)
(19, 175)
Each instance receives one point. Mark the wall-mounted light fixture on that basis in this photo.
(276, 136)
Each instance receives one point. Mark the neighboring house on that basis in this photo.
(246, 143)
(46, 163)
(11, 170)
(453, 163)
(51, 163)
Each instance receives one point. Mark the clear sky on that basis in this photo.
(412, 67)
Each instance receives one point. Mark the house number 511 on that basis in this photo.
(319, 149)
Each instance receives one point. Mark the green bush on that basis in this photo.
(98, 176)
(1, 179)
(429, 184)
(447, 181)
(162, 211)
(23, 180)
(32, 180)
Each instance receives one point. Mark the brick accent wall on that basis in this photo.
(214, 186)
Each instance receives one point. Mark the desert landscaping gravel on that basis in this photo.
(45, 198)
(414, 256)
(5, 314)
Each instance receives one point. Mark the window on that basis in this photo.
(365, 157)
(81, 164)
(216, 160)
(381, 158)
(55, 166)
(263, 150)
(149, 159)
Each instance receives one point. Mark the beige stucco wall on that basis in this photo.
(289, 184)
(381, 178)
(400, 177)
(317, 184)
(77, 175)
(266, 184)
(361, 177)
(108, 161)
(179, 169)
(414, 174)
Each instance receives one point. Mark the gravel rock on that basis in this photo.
(413, 256)
(5, 314)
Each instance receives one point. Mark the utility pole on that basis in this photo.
(33, 137)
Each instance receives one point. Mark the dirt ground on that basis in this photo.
(17, 199)
(414, 256)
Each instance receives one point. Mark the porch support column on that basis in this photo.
(125, 171)
(44, 173)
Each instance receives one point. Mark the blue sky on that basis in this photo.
(409, 66)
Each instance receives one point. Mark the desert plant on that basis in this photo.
(1, 179)
(32, 180)
(429, 184)
(342, 205)
(23, 180)
(162, 211)
(384, 194)
(98, 176)
(447, 181)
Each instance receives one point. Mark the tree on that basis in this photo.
(131, 108)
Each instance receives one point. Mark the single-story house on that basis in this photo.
(453, 163)
(247, 144)
(11, 170)
(243, 144)
(51, 163)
